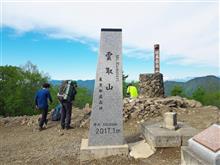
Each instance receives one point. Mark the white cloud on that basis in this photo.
(188, 33)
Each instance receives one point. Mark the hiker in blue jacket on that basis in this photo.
(41, 102)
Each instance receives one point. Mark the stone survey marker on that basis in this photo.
(106, 125)
(169, 133)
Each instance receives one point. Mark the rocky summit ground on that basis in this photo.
(21, 143)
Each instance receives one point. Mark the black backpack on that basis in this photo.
(67, 91)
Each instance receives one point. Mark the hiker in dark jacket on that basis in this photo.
(41, 102)
(66, 111)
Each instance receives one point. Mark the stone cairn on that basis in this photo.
(151, 85)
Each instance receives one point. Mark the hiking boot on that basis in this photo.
(40, 128)
(46, 121)
(62, 127)
(68, 127)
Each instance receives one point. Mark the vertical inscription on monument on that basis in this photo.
(106, 124)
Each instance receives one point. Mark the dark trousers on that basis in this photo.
(43, 118)
(66, 114)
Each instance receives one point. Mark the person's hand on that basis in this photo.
(36, 107)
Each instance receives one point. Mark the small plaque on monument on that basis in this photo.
(209, 138)
(106, 124)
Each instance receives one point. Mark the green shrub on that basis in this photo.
(177, 91)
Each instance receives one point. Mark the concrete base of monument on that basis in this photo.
(97, 152)
(188, 157)
(158, 136)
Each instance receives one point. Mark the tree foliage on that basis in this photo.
(177, 91)
(199, 94)
(212, 98)
(207, 98)
(82, 98)
(18, 87)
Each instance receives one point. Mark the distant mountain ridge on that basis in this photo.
(184, 79)
(209, 83)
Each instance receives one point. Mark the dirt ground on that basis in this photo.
(23, 144)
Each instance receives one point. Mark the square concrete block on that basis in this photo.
(158, 136)
(188, 157)
(98, 152)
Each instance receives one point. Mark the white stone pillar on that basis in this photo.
(170, 120)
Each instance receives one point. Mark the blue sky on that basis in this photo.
(62, 39)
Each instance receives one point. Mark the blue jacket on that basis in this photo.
(41, 98)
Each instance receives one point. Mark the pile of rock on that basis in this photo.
(19, 120)
(144, 107)
(32, 121)
(151, 85)
(141, 108)
(86, 118)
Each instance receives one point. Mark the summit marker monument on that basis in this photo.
(106, 124)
